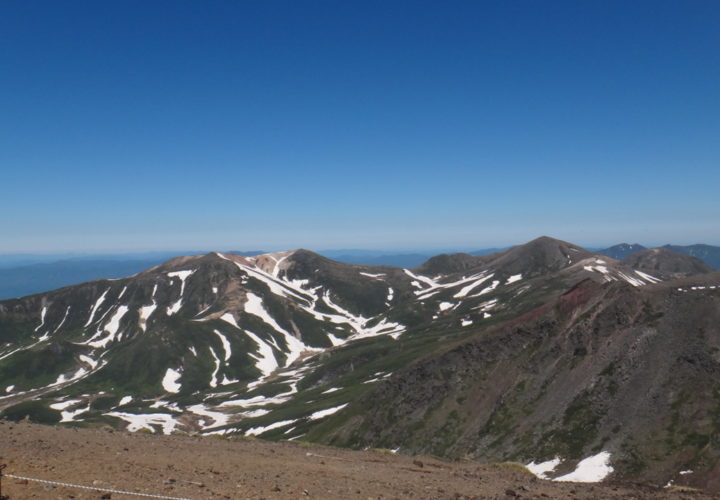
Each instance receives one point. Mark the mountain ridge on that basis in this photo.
(292, 344)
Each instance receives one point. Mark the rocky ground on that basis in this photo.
(209, 468)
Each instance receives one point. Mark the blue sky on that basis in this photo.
(363, 124)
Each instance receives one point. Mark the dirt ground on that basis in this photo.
(210, 468)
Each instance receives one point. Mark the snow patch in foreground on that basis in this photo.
(592, 469)
(541, 469)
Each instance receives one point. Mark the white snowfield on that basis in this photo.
(592, 469)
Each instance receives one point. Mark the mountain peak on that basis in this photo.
(541, 255)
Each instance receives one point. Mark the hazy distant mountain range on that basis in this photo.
(545, 353)
(25, 274)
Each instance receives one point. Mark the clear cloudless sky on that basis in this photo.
(148, 125)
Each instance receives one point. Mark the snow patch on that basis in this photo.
(137, 422)
(513, 278)
(170, 380)
(376, 276)
(225, 343)
(94, 309)
(255, 431)
(541, 469)
(326, 413)
(42, 318)
(182, 275)
(467, 289)
(295, 347)
(592, 469)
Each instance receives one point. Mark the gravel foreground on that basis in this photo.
(209, 468)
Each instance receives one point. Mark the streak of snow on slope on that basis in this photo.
(466, 322)
(376, 276)
(145, 312)
(110, 328)
(125, 400)
(278, 287)
(327, 412)
(592, 469)
(213, 378)
(145, 421)
(651, 279)
(63, 321)
(390, 295)
(255, 431)
(122, 292)
(295, 347)
(94, 309)
(541, 469)
(435, 286)
(256, 401)
(265, 359)
(87, 359)
(42, 318)
(513, 278)
(219, 418)
(225, 343)
(444, 306)
(64, 404)
(170, 380)
(359, 323)
(332, 389)
(488, 289)
(10, 388)
(69, 416)
(423, 279)
(631, 280)
(182, 275)
(276, 268)
(467, 289)
(598, 269)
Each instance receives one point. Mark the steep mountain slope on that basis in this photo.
(293, 345)
(633, 372)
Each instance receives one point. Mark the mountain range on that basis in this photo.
(25, 274)
(545, 353)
